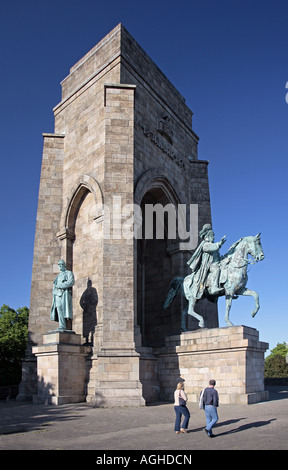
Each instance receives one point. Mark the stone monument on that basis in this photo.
(123, 156)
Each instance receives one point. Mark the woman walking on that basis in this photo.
(180, 399)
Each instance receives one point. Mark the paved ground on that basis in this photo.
(24, 426)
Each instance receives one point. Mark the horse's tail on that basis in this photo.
(174, 287)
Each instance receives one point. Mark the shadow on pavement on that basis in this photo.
(244, 427)
(221, 423)
(24, 417)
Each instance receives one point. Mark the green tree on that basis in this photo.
(13, 342)
(281, 349)
(275, 363)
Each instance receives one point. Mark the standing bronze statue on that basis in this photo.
(61, 309)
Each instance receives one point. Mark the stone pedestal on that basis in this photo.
(116, 379)
(61, 368)
(233, 356)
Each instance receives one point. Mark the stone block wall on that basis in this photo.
(233, 356)
(122, 133)
(61, 369)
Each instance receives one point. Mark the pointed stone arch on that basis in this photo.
(157, 262)
(155, 178)
(80, 247)
(84, 185)
(79, 190)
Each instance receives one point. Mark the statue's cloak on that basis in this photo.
(200, 262)
(65, 293)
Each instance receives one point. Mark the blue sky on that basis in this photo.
(229, 59)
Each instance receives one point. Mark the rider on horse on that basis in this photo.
(205, 263)
(209, 269)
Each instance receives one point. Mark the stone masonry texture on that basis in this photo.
(123, 135)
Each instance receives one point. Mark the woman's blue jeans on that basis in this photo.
(181, 410)
(211, 416)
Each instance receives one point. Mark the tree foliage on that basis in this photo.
(275, 363)
(281, 349)
(13, 342)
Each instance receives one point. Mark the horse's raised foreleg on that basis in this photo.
(254, 294)
(191, 312)
(227, 310)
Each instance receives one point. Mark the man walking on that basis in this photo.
(210, 402)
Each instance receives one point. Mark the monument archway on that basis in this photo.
(83, 227)
(156, 252)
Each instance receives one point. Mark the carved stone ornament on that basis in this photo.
(165, 129)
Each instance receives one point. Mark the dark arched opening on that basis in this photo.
(155, 266)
